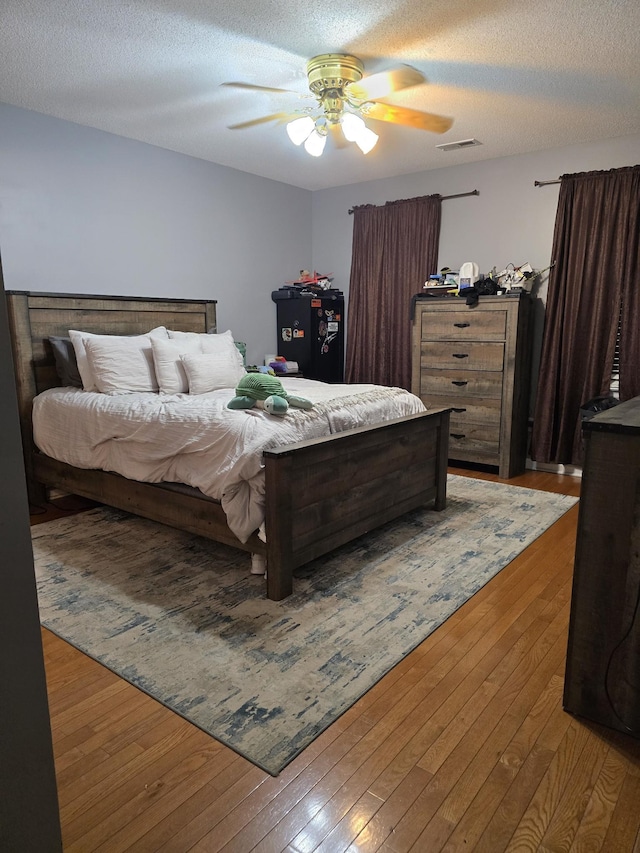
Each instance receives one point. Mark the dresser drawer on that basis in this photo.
(479, 410)
(476, 443)
(466, 325)
(456, 384)
(464, 355)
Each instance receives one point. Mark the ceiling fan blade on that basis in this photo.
(281, 117)
(406, 116)
(253, 88)
(382, 84)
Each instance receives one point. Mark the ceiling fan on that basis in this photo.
(344, 98)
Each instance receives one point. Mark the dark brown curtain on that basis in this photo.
(595, 281)
(395, 249)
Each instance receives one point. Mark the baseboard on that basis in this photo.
(552, 468)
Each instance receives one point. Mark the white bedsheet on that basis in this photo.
(198, 441)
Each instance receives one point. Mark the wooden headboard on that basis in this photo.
(33, 317)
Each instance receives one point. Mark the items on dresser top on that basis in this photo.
(476, 360)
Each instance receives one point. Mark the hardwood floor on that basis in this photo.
(463, 746)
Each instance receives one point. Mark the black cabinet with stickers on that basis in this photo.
(311, 331)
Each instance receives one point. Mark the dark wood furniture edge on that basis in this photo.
(601, 667)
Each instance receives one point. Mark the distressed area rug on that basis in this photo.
(184, 620)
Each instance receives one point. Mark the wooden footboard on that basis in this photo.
(327, 491)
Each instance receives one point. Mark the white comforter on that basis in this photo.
(198, 441)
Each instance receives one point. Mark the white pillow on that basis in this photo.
(122, 365)
(170, 373)
(211, 371)
(221, 344)
(197, 335)
(183, 336)
(210, 343)
(78, 339)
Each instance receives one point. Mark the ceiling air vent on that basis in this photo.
(463, 143)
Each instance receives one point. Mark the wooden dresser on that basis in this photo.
(602, 677)
(477, 361)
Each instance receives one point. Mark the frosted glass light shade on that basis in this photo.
(299, 129)
(314, 143)
(352, 125)
(366, 140)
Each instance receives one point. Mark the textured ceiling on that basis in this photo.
(518, 75)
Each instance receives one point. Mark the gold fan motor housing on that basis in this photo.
(328, 74)
(333, 71)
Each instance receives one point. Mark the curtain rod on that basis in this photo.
(460, 195)
(546, 183)
(446, 197)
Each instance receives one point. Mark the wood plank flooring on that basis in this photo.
(463, 746)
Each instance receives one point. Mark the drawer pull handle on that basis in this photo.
(460, 354)
(461, 325)
(458, 410)
(456, 434)
(459, 382)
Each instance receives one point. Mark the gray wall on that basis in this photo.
(82, 211)
(511, 221)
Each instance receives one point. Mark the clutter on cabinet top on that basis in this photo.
(312, 281)
(445, 281)
(260, 368)
(516, 278)
(510, 281)
(281, 365)
(468, 275)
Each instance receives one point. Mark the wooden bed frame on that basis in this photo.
(319, 493)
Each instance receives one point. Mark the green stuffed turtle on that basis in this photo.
(266, 392)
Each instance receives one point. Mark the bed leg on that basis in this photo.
(258, 564)
(442, 462)
(37, 493)
(279, 575)
(278, 588)
(278, 524)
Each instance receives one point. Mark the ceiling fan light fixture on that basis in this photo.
(366, 140)
(355, 130)
(352, 126)
(343, 97)
(299, 129)
(314, 143)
